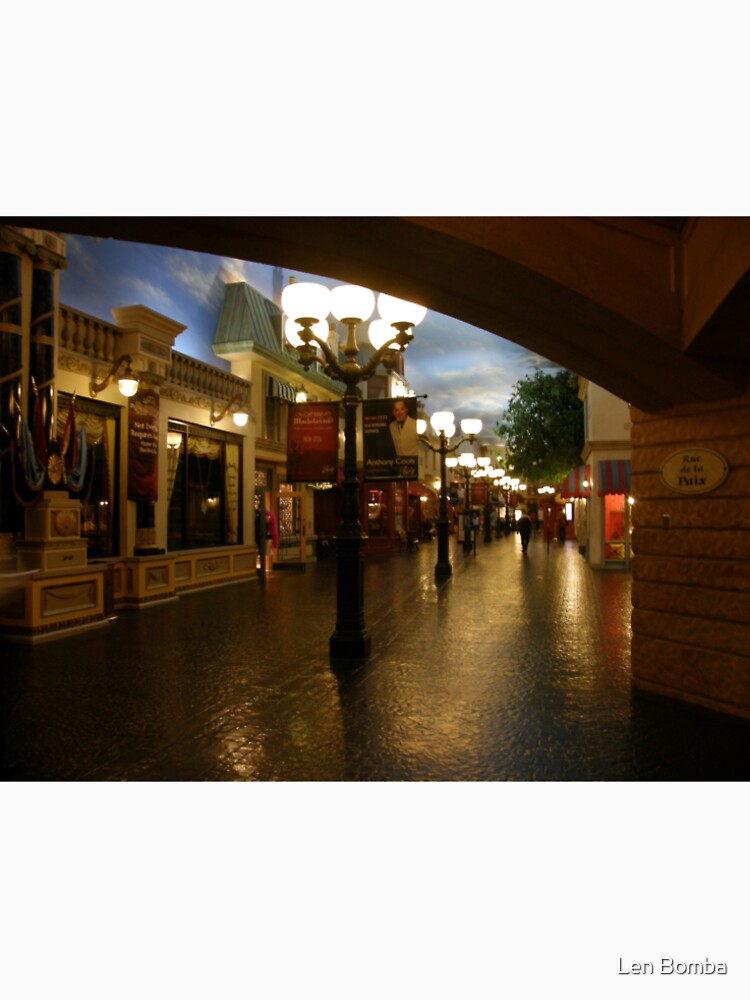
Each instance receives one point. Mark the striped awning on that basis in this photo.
(275, 387)
(572, 486)
(614, 477)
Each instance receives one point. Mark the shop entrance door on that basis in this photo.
(290, 518)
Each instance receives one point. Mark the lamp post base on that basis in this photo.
(349, 650)
(443, 565)
(350, 641)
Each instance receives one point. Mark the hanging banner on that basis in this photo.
(391, 441)
(143, 445)
(312, 442)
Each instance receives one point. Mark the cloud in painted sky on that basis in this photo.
(459, 366)
(146, 293)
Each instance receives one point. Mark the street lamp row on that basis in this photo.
(443, 423)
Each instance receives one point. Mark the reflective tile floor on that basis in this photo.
(515, 669)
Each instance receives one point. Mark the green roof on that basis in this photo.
(247, 318)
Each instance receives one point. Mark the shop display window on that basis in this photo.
(99, 492)
(204, 486)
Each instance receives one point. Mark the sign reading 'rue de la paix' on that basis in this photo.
(696, 470)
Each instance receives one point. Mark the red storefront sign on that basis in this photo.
(143, 445)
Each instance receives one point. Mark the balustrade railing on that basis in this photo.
(196, 376)
(93, 338)
(88, 335)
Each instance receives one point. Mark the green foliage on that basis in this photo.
(543, 427)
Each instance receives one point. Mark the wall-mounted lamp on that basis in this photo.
(127, 382)
(300, 394)
(239, 416)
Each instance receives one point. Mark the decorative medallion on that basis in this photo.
(66, 522)
(55, 469)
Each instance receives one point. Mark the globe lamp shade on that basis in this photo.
(380, 333)
(306, 300)
(471, 426)
(128, 385)
(394, 310)
(441, 420)
(352, 302)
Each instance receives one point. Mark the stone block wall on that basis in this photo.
(691, 561)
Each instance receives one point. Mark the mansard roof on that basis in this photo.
(247, 319)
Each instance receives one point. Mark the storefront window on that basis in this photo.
(615, 528)
(204, 483)
(99, 487)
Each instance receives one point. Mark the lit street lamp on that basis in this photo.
(487, 474)
(307, 305)
(444, 426)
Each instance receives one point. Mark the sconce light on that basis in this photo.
(128, 381)
(174, 440)
(239, 416)
(300, 394)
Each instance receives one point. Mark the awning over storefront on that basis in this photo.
(572, 486)
(275, 387)
(614, 477)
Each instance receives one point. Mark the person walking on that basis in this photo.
(524, 530)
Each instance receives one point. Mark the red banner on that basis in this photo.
(143, 445)
(312, 443)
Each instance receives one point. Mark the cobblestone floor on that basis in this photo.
(516, 668)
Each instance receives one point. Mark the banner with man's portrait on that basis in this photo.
(391, 441)
(312, 442)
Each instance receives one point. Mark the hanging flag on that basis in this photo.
(77, 472)
(33, 472)
(69, 445)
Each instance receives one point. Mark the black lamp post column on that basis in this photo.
(350, 639)
(443, 565)
(487, 511)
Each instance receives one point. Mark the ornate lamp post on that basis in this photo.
(444, 426)
(307, 304)
(468, 463)
(487, 474)
(505, 486)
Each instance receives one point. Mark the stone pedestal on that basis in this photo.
(52, 534)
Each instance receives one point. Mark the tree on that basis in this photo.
(543, 427)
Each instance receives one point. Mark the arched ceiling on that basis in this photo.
(654, 309)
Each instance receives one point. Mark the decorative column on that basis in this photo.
(148, 337)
